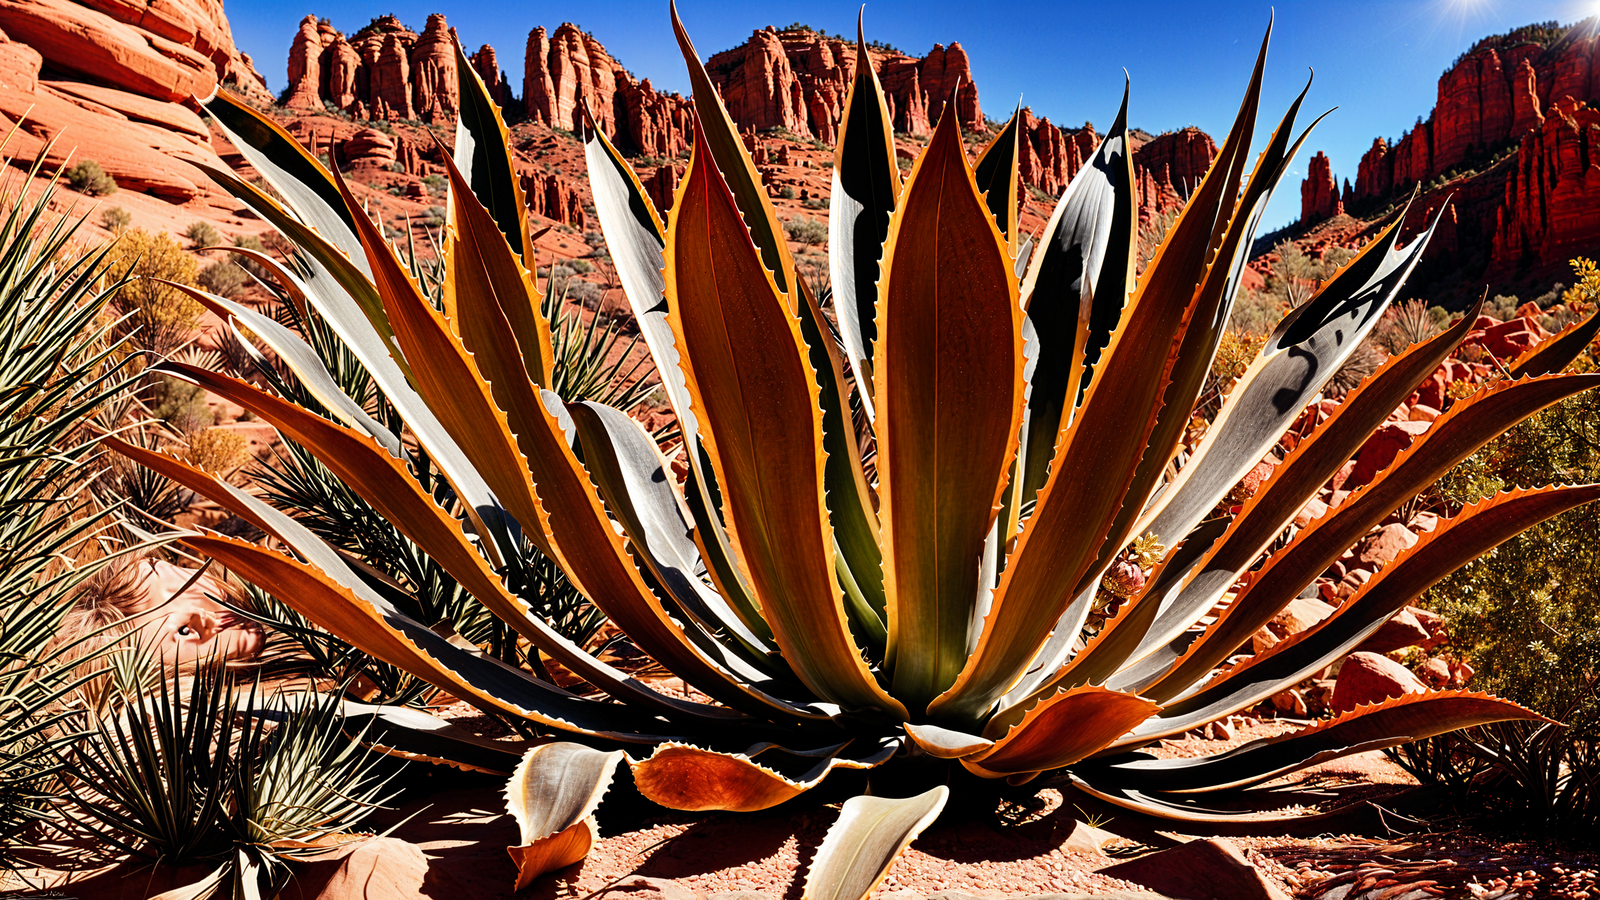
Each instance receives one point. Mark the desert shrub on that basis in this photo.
(434, 215)
(88, 178)
(581, 266)
(218, 450)
(180, 404)
(223, 277)
(436, 184)
(116, 220)
(203, 234)
(1407, 323)
(251, 242)
(1255, 312)
(806, 230)
(786, 192)
(815, 203)
(160, 318)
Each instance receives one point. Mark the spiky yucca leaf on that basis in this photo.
(1024, 414)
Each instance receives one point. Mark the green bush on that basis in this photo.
(436, 184)
(203, 234)
(806, 231)
(786, 192)
(224, 278)
(88, 178)
(116, 219)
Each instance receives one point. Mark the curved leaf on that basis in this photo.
(949, 390)
(757, 397)
(1455, 542)
(866, 183)
(680, 776)
(1409, 717)
(1059, 731)
(995, 173)
(716, 131)
(1075, 289)
(552, 795)
(407, 733)
(483, 155)
(862, 845)
(1553, 354)
(942, 743)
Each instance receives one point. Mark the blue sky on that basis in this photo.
(1379, 61)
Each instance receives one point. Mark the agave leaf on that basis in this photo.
(1409, 717)
(866, 183)
(680, 776)
(1553, 354)
(1302, 473)
(295, 174)
(755, 391)
(862, 845)
(1455, 542)
(996, 176)
(483, 155)
(943, 743)
(301, 359)
(1080, 516)
(1059, 731)
(1274, 390)
(385, 483)
(412, 734)
(1075, 289)
(949, 390)
(632, 476)
(553, 795)
(716, 131)
(326, 591)
(637, 242)
(1452, 437)
(1306, 350)
(482, 270)
(850, 500)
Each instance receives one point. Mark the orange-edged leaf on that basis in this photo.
(1410, 717)
(864, 842)
(948, 367)
(1554, 353)
(866, 183)
(446, 376)
(1297, 479)
(1059, 731)
(756, 397)
(637, 241)
(327, 592)
(1079, 514)
(552, 795)
(483, 154)
(408, 733)
(995, 173)
(384, 481)
(680, 776)
(1455, 542)
(715, 129)
(481, 269)
(942, 743)
(1468, 425)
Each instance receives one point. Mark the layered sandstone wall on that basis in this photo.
(110, 79)
(385, 71)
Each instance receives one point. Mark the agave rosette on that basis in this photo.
(848, 597)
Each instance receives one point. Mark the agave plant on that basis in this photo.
(1025, 404)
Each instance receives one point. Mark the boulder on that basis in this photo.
(1400, 631)
(1367, 678)
(1199, 870)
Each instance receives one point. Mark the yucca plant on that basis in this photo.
(1026, 406)
(59, 366)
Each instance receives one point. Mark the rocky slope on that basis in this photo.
(1512, 136)
(112, 79)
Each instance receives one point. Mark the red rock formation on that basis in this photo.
(661, 185)
(488, 68)
(305, 67)
(114, 77)
(799, 81)
(1184, 155)
(551, 196)
(435, 94)
(1552, 202)
(1319, 193)
(559, 68)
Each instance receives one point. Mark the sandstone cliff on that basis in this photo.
(385, 71)
(111, 79)
(1510, 135)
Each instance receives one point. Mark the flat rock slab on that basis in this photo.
(1199, 870)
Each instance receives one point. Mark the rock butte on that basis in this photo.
(110, 78)
(796, 81)
(1511, 97)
